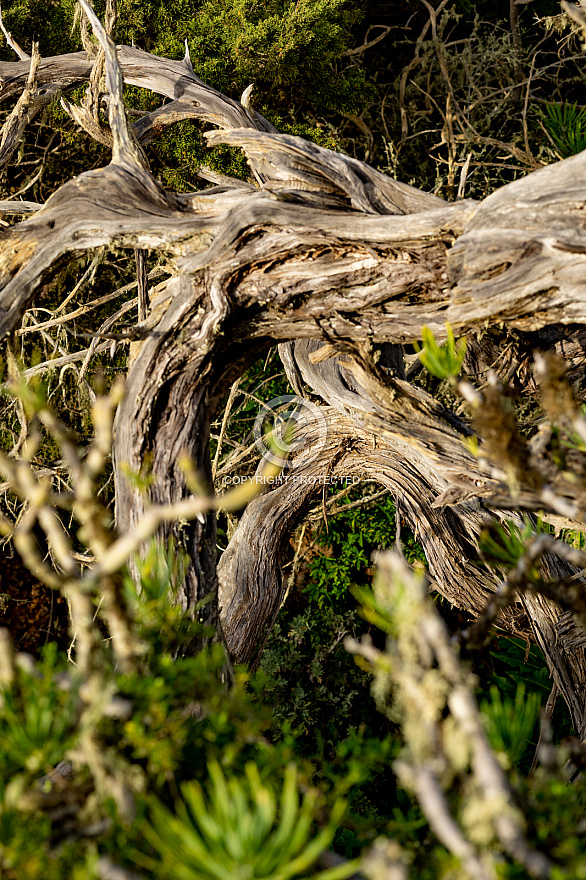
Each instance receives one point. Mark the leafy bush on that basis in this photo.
(133, 739)
(347, 543)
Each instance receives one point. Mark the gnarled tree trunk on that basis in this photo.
(322, 250)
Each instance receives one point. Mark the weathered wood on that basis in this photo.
(18, 207)
(565, 661)
(328, 252)
(293, 166)
(510, 355)
(173, 79)
(250, 571)
(32, 99)
(251, 584)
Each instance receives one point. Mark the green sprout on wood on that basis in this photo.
(241, 831)
(443, 361)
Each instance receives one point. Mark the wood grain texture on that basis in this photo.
(342, 266)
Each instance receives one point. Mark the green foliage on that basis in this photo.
(39, 713)
(510, 723)
(347, 546)
(512, 663)
(160, 737)
(504, 544)
(322, 712)
(555, 811)
(165, 722)
(286, 47)
(158, 617)
(178, 723)
(443, 361)
(26, 852)
(46, 21)
(37, 718)
(181, 150)
(241, 830)
(566, 125)
(307, 676)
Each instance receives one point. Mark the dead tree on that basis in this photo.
(342, 266)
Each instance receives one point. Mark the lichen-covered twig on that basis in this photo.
(420, 681)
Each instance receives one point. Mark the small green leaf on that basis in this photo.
(443, 361)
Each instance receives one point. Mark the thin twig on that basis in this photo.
(95, 345)
(227, 413)
(368, 43)
(12, 42)
(546, 717)
(66, 359)
(141, 280)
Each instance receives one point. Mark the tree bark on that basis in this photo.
(322, 250)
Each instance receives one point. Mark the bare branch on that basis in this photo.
(368, 43)
(126, 151)
(28, 105)
(12, 42)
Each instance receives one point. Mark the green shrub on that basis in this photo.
(285, 47)
(346, 544)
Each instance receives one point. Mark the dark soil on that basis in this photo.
(33, 613)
